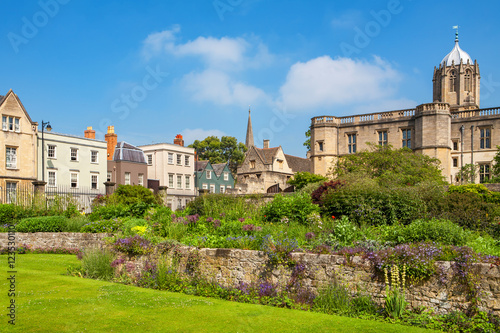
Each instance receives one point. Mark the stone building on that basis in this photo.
(267, 169)
(452, 128)
(18, 157)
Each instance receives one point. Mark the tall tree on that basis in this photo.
(226, 149)
(307, 143)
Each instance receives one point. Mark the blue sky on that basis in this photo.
(154, 69)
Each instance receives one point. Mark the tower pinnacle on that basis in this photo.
(249, 138)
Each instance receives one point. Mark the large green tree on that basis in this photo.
(301, 179)
(389, 166)
(226, 149)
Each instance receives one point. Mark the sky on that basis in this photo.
(154, 69)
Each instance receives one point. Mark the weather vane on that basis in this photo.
(456, 32)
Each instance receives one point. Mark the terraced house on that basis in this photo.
(18, 158)
(216, 178)
(453, 128)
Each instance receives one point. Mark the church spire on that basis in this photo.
(249, 139)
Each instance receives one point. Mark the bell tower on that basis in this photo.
(456, 81)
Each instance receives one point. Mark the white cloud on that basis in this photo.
(189, 135)
(214, 51)
(157, 42)
(325, 82)
(217, 87)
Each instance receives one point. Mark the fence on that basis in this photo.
(61, 197)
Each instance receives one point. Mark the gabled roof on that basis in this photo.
(200, 165)
(4, 98)
(126, 152)
(298, 164)
(218, 168)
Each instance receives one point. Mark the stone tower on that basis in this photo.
(456, 80)
(249, 138)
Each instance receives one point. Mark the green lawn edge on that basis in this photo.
(49, 301)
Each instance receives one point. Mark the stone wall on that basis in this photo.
(229, 267)
(55, 239)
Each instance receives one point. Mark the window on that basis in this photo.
(186, 160)
(453, 81)
(170, 181)
(226, 176)
(179, 181)
(467, 81)
(205, 186)
(127, 178)
(351, 143)
(252, 164)
(209, 174)
(212, 188)
(52, 178)
(11, 192)
(280, 164)
(179, 159)
(222, 189)
(406, 137)
(141, 179)
(484, 172)
(150, 159)
(188, 182)
(170, 158)
(11, 124)
(455, 162)
(93, 182)
(74, 154)
(382, 138)
(93, 156)
(108, 178)
(51, 151)
(179, 204)
(485, 138)
(320, 145)
(228, 186)
(74, 180)
(11, 158)
(455, 145)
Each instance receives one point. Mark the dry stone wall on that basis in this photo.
(229, 267)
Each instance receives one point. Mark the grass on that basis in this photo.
(49, 301)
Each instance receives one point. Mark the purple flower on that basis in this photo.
(241, 219)
(310, 235)
(216, 224)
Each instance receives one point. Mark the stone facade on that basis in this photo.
(453, 128)
(55, 240)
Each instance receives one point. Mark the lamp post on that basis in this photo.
(49, 128)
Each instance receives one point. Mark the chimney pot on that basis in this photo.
(89, 133)
(266, 143)
(178, 140)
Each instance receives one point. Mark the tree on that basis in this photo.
(227, 149)
(389, 166)
(307, 143)
(301, 179)
(468, 173)
(495, 169)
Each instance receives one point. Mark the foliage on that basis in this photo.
(133, 194)
(279, 251)
(334, 298)
(307, 143)
(42, 224)
(224, 206)
(96, 264)
(108, 226)
(109, 211)
(8, 213)
(135, 245)
(479, 189)
(344, 231)
(301, 179)
(495, 169)
(389, 166)
(434, 230)
(468, 173)
(227, 149)
(296, 207)
(324, 188)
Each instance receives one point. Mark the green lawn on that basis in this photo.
(49, 301)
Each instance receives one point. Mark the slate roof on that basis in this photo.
(1, 99)
(267, 154)
(299, 164)
(126, 152)
(218, 168)
(200, 165)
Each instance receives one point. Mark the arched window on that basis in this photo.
(468, 81)
(453, 80)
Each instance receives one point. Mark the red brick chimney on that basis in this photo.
(89, 133)
(111, 138)
(178, 140)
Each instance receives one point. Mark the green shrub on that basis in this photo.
(479, 189)
(133, 194)
(224, 205)
(109, 212)
(75, 224)
(333, 298)
(42, 224)
(469, 210)
(296, 207)
(108, 226)
(96, 264)
(344, 231)
(8, 213)
(439, 231)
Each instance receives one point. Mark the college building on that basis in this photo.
(453, 128)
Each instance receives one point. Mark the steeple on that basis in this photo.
(249, 139)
